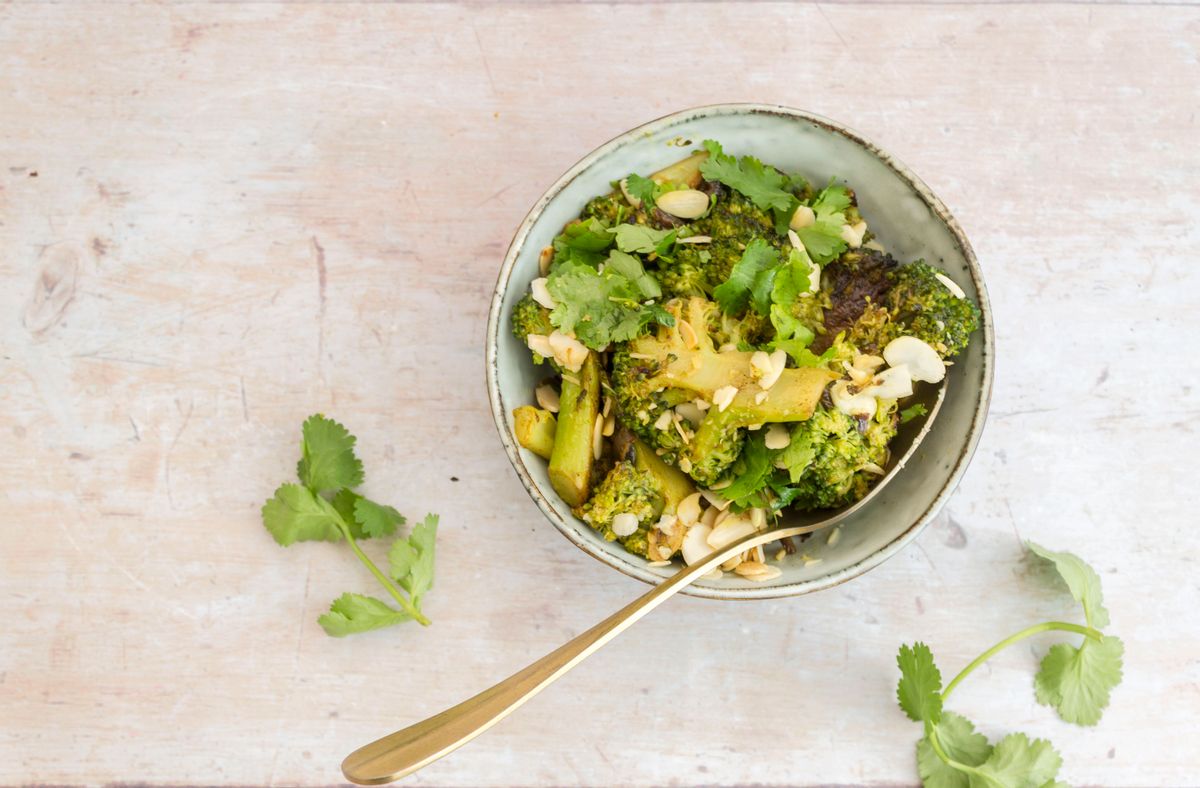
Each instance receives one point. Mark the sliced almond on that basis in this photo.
(859, 404)
(663, 421)
(667, 524)
(545, 258)
(685, 465)
(710, 516)
(688, 510)
(853, 234)
(780, 554)
(624, 524)
(694, 239)
(778, 361)
(732, 563)
(695, 544)
(758, 572)
(729, 530)
(690, 412)
(761, 397)
(803, 217)
(540, 345)
(951, 285)
(598, 437)
(758, 517)
(568, 351)
(687, 334)
(684, 203)
(610, 425)
(541, 293)
(777, 437)
(701, 404)
(657, 564)
(760, 363)
(923, 361)
(874, 468)
(892, 383)
(834, 536)
(723, 396)
(715, 500)
(721, 485)
(547, 397)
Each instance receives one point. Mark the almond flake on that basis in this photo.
(547, 397)
(723, 396)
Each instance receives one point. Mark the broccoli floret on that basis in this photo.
(875, 300)
(609, 208)
(686, 274)
(680, 363)
(530, 317)
(625, 490)
(731, 223)
(749, 329)
(829, 451)
(925, 308)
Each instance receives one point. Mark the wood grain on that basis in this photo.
(216, 219)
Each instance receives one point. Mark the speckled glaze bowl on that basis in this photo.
(910, 221)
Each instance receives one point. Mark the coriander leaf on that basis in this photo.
(631, 268)
(376, 519)
(823, 238)
(642, 239)
(912, 412)
(735, 293)
(1077, 681)
(641, 189)
(352, 613)
(793, 281)
(411, 560)
(582, 242)
(797, 348)
(755, 468)
(297, 514)
(920, 686)
(1017, 762)
(602, 307)
(343, 501)
(797, 455)
(328, 461)
(763, 185)
(961, 743)
(1082, 581)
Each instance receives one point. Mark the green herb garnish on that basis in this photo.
(325, 508)
(1074, 680)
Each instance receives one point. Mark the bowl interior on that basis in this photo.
(910, 222)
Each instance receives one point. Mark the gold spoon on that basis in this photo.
(416, 746)
(405, 751)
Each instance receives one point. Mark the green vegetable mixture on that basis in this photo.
(724, 340)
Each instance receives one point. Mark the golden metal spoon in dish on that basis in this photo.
(405, 751)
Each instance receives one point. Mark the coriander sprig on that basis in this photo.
(1074, 680)
(324, 507)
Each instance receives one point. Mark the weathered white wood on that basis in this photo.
(217, 219)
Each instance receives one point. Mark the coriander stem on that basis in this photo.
(1046, 626)
(386, 582)
(937, 748)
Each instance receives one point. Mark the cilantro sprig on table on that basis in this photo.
(1075, 680)
(324, 507)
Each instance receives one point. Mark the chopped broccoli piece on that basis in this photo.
(530, 317)
(625, 490)
(662, 370)
(535, 429)
(572, 457)
(828, 452)
(926, 309)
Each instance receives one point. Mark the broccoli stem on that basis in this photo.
(534, 429)
(673, 484)
(571, 459)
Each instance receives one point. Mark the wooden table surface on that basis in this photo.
(216, 219)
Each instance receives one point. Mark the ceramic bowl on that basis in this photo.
(910, 221)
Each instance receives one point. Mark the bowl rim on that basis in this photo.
(643, 573)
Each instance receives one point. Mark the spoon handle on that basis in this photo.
(405, 751)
